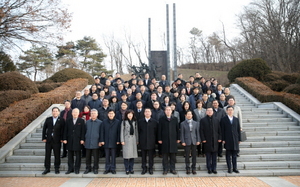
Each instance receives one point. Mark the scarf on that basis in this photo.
(131, 127)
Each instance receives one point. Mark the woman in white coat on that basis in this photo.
(129, 140)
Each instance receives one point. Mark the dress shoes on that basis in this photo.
(127, 172)
(188, 172)
(95, 171)
(151, 171)
(106, 172)
(238, 155)
(173, 172)
(113, 172)
(236, 171)
(69, 171)
(63, 156)
(144, 171)
(214, 171)
(87, 171)
(165, 172)
(230, 171)
(46, 171)
(131, 172)
(220, 155)
(76, 171)
(194, 172)
(57, 171)
(209, 172)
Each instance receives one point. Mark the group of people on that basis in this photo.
(116, 116)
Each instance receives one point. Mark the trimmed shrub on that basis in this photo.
(273, 76)
(290, 77)
(298, 80)
(265, 94)
(16, 81)
(70, 73)
(46, 87)
(10, 96)
(277, 85)
(293, 89)
(18, 115)
(256, 68)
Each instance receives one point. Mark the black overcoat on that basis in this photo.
(147, 133)
(57, 130)
(74, 134)
(231, 133)
(168, 133)
(110, 132)
(210, 133)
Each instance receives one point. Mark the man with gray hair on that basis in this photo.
(92, 141)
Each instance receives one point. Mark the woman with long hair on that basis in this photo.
(129, 140)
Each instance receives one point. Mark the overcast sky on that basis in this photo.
(97, 18)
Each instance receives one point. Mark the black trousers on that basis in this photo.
(64, 153)
(150, 158)
(168, 161)
(110, 159)
(71, 160)
(49, 146)
(190, 149)
(89, 153)
(231, 156)
(220, 148)
(211, 160)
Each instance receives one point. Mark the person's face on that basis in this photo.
(191, 79)
(159, 90)
(199, 105)
(173, 107)
(105, 102)
(130, 116)
(103, 75)
(167, 89)
(111, 115)
(189, 115)
(226, 91)
(174, 86)
(124, 97)
(219, 87)
(97, 81)
(133, 76)
(139, 105)
(168, 111)
(133, 81)
(183, 91)
(195, 91)
(102, 93)
(133, 88)
(146, 76)
(231, 102)
(114, 99)
(123, 106)
(186, 106)
(204, 97)
(209, 112)
(95, 96)
(167, 99)
(208, 92)
(188, 85)
(78, 95)
(207, 83)
(197, 75)
(180, 76)
(153, 97)
(230, 111)
(176, 94)
(86, 91)
(126, 84)
(163, 77)
(113, 93)
(94, 88)
(55, 112)
(151, 87)
(156, 105)
(182, 98)
(222, 97)
(118, 75)
(138, 96)
(75, 113)
(86, 109)
(147, 113)
(141, 82)
(94, 115)
(120, 87)
(107, 82)
(142, 88)
(67, 104)
(215, 104)
(153, 81)
(129, 91)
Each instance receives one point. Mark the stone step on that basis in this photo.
(271, 124)
(265, 128)
(261, 120)
(261, 112)
(248, 144)
(272, 138)
(247, 116)
(272, 133)
(258, 110)
(273, 150)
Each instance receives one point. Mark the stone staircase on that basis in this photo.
(272, 147)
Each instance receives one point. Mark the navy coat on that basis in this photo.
(110, 133)
(231, 133)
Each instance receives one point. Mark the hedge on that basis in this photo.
(46, 87)
(16, 117)
(264, 94)
(10, 96)
(68, 74)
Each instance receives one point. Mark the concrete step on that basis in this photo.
(271, 124)
(265, 128)
(261, 112)
(273, 150)
(247, 116)
(262, 120)
(266, 144)
(272, 138)
(272, 133)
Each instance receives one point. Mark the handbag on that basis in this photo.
(243, 136)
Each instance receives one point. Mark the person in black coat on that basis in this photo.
(74, 137)
(66, 114)
(147, 128)
(231, 136)
(78, 102)
(168, 136)
(210, 133)
(52, 135)
(110, 138)
(139, 111)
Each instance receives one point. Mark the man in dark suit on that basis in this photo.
(190, 138)
(147, 128)
(164, 82)
(53, 135)
(231, 136)
(139, 111)
(210, 133)
(78, 102)
(110, 138)
(168, 136)
(66, 114)
(147, 80)
(219, 113)
(74, 137)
